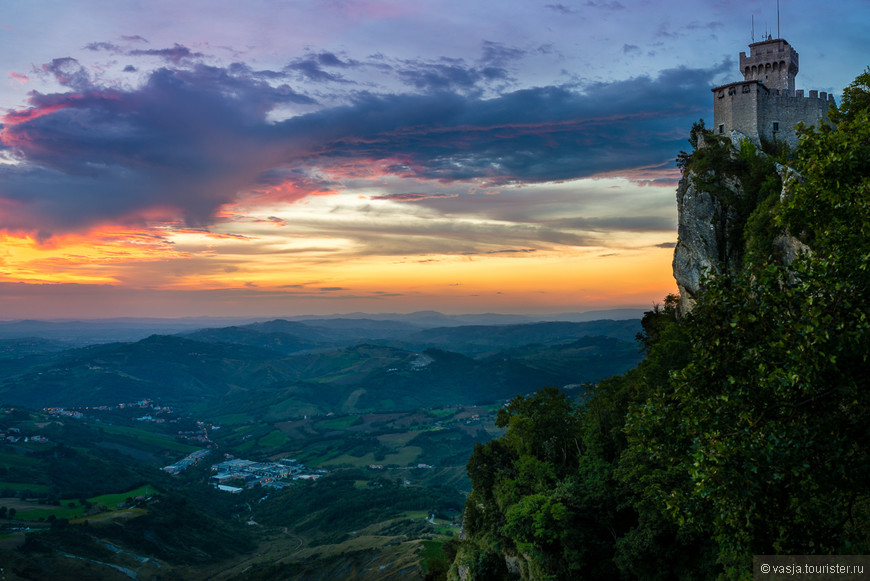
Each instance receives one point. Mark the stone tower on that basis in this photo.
(772, 62)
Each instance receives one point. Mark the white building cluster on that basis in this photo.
(252, 473)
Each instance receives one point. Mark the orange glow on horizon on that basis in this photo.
(339, 254)
(549, 280)
(76, 258)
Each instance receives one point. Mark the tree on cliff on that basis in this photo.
(745, 429)
(769, 419)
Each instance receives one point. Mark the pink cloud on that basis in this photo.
(21, 79)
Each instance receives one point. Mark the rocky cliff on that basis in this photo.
(702, 244)
(720, 205)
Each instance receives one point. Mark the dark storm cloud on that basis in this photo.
(191, 139)
(187, 139)
(539, 134)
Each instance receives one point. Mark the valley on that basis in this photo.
(113, 453)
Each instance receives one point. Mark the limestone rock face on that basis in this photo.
(703, 243)
(709, 234)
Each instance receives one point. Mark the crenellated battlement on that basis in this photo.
(744, 87)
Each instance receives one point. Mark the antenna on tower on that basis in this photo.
(753, 28)
(778, 35)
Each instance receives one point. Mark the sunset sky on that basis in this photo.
(274, 158)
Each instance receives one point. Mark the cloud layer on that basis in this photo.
(188, 138)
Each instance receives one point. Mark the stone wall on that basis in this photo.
(761, 113)
(735, 108)
(778, 113)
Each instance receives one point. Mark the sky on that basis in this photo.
(275, 158)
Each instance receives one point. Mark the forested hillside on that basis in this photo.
(745, 429)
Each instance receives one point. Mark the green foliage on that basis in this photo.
(855, 101)
(698, 132)
(334, 499)
(552, 491)
(543, 427)
(762, 228)
(744, 431)
(436, 558)
(830, 207)
(760, 440)
(655, 321)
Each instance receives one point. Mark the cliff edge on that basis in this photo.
(723, 204)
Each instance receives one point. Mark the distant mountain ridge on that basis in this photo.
(325, 365)
(88, 332)
(295, 336)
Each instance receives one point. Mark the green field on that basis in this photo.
(17, 486)
(398, 440)
(340, 423)
(17, 460)
(273, 439)
(404, 457)
(157, 440)
(110, 501)
(231, 419)
(44, 513)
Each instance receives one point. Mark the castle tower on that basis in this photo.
(765, 106)
(772, 62)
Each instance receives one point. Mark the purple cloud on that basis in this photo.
(561, 8)
(69, 73)
(192, 139)
(175, 55)
(103, 46)
(605, 5)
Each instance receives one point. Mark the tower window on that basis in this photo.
(721, 129)
(776, 125)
